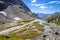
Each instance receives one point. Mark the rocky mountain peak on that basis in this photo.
(15, 9)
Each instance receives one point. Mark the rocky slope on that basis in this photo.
(55, 18)
(14, 9)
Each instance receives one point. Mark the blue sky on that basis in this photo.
(43, 6)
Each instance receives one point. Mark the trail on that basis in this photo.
(15, 28)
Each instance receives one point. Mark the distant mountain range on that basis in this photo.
(42, 15)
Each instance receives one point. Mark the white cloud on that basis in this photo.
(43, 7)
(33, 1)
(37, 4)
(52, 2)
(56, 2)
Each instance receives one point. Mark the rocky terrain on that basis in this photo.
(18, 23)
(54, 18)
(14, 9)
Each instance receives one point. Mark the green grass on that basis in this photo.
(25, 33)
(3, 37)
(18, 23)
(58, 21)
(40, 27)
(30, 34)
(27, 21)
(6, 26)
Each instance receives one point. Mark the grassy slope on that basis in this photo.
(18, 23)
(54, 17)
(58, 21)
(25, 33)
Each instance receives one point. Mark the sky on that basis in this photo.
(43, 6)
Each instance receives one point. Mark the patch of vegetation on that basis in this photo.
(5, 37)
(30, 34)
(53, 18)
(26, 32)
(38, 26)
(27, 21)
(58, 21)
(17, 23)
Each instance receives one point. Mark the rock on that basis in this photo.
(44, 36)
(8, 37)
(56, 33)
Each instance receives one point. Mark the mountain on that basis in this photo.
(55, 18)
(42, 15)
(14, 9)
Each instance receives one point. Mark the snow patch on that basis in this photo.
(17, 18)
(3, 13)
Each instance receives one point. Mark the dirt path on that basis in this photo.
(15, 28)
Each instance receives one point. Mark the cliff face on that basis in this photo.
(14, 9)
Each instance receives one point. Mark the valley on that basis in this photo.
(19, 22)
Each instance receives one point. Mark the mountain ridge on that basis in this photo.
(15, 9)
(42, 15)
